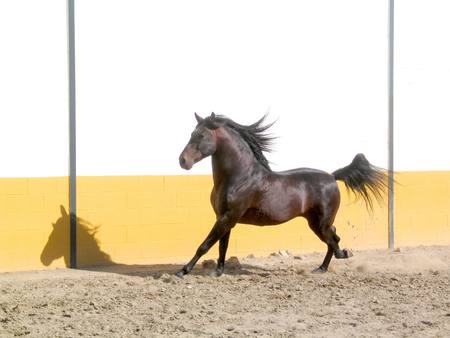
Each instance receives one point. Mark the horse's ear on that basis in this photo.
(213, 116)
(63, 211)
(198, 118)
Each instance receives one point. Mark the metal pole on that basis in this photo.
(72, 133)
(391, 127)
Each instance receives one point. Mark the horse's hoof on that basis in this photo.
(216, 273)
(320, 269)
(347, 253)
(180, 274)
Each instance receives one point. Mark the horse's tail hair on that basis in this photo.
(363, 179)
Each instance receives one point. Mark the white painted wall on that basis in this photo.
(144, 68)
(33, 88)
(422, 75)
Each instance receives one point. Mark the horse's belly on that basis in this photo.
(257, 217)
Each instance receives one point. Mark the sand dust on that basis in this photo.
(374, 293)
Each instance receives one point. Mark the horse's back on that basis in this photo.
(315, 189)
(301, 171)
(293, 193)
(309, 176)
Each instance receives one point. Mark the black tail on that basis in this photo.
(361, 177)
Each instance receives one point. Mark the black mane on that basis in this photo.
(254, 135)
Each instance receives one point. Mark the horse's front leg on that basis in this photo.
(223, 246)
(222, 226)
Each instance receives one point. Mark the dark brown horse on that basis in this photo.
(247, 191)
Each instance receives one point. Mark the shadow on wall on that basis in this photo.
(92, 258)
(89, 252)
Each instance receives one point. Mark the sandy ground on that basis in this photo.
(374, 293)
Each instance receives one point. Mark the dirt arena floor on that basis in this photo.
(374, 293)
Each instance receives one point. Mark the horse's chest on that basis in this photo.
(214, 201)
(218, 199)
(224, 197)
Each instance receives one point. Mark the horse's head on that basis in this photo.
(58, 241)
(203, 141)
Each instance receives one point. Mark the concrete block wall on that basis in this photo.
(422, 208)
(28, 209)
(154, 219)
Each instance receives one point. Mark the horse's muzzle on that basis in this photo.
(185, 163)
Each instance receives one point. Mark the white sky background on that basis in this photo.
(144, 67)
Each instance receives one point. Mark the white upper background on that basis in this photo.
(144, 67)
(34, 123)
(422, 85)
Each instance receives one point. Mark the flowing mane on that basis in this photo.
(254, 135)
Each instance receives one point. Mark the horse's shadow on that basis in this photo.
(92, 258)
(89, 252)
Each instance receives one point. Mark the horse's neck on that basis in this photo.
(232, 157)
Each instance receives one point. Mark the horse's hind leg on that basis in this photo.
(315, 223)
(338, 253)
(326, 261)
(327, 233)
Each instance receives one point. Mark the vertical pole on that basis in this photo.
(391, 126)
(72, 133)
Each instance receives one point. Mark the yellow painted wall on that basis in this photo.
(163, 219)
(422, 208)
(148, 219)
(28, 208)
